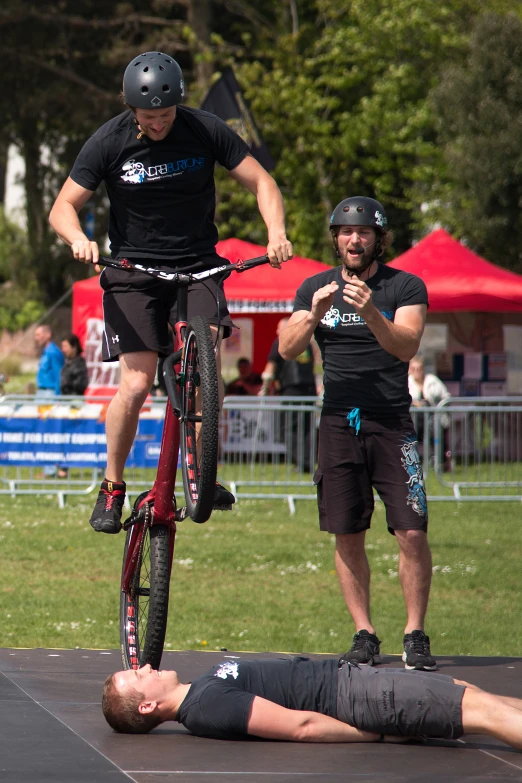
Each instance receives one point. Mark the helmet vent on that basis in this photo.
(161, 67)
(166, 88)
(146, 69)
(144, 90)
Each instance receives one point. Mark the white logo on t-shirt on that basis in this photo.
(227, 668)
(331, 318)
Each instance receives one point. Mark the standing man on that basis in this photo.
(157, 161)
(368, 320)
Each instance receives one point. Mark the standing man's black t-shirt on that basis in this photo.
(358, 372)
(218, 703)
(162, 193)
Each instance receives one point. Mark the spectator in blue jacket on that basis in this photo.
(51, 362)
(48, 375)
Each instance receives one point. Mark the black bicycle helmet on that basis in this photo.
(153, 80)
(359, 211)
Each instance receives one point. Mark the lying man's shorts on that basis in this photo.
(137, 308)
(400, 702)
(384, 456)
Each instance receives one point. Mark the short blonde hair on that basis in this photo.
(122, 710)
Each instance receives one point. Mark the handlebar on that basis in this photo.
(186, 274)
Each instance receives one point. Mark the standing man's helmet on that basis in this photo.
(153, 80)
(359, 211)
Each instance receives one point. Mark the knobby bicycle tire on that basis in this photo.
(144, 609)
(199, 433)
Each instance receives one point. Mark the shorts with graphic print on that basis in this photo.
(383, 456)
(399, 702)
(137, 308)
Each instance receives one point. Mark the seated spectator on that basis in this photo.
(425, 388)
(74, 377)
(248, 382)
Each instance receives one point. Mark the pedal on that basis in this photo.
(138, 512)
(181, 514)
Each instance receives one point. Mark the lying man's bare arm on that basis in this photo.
(272, 721)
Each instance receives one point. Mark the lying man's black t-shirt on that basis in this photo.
(218, 703)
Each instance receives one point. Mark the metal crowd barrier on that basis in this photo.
(477, 447)
(470, 448)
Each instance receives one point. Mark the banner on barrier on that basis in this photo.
(72, 442)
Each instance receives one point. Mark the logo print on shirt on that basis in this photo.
(331, 318)
(227, 668)
(134, 172)
(137, 173)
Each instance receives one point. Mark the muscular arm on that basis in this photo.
(402, 336)
(64, 220)
(272, 721)
(253, 176)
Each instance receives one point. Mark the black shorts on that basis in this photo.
(400, 702)
(383, 456)
(137, 308)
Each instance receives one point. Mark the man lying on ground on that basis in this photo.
(307, 700)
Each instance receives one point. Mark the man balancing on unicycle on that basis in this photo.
(157, 161)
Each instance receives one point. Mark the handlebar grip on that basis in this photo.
(242, 266)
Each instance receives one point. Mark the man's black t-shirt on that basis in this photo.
(358, 373)
(218, 703)
(162, 193)
(295, 376)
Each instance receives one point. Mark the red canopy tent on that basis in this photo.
(264, 294)
(459, 280)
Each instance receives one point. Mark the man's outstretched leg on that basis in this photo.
(496, 716)
(137, 375)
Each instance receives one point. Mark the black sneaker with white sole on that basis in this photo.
(365, 650)
(106, 517)
(417, 653)
(223, 499)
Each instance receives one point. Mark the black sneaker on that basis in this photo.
(223, 499)
(417, 653)
(364, 651)
(106, 517)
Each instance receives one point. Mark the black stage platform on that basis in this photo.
(53, 731)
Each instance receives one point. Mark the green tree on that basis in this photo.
(479, 196)
(19, 304)
(342, 103)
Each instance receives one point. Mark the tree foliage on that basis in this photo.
(341, 94)
(19, 305)
(479, 106)
(343, 107)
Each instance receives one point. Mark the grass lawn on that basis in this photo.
(259, 579)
